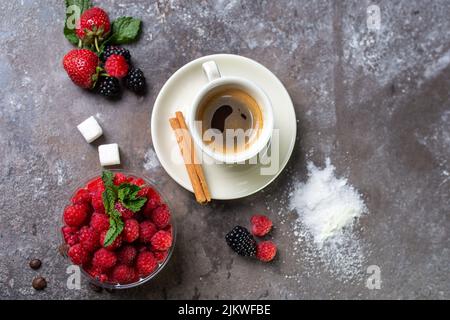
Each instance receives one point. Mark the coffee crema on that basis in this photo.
(231, 120)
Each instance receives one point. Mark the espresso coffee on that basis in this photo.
(230, 120)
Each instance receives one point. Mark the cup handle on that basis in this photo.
(211, 70)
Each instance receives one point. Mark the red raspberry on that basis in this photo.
(114, 245)
(75, 215)
(99, 221)
(130, 230)
(97, 202)
(261, 225)
(96, 185)
(160, 256)
(169, 229)
(78, 254)
(81, 196)
(89, 238)
(104, 259)
(116, 66)
(162, 240)
(146, 231)
(97, 273)
(143, 192)
(123, 274)
(141, 247)
(145, 263)
(153, 201)
(161, 216)
(120, 178)
(266, 251)
(126, 213)
(70, 235)
(137, 181)
(126, 255)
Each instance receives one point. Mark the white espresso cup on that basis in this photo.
(216, 82)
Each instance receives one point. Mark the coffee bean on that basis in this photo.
(35, 264)
(95, 287)
(39, 283)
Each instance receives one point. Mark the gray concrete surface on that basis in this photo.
(376, 103)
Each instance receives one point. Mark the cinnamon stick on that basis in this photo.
(183, 139)
(197, 165)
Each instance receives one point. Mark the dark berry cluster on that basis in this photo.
(117, 65)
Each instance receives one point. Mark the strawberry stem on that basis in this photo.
(96, 44)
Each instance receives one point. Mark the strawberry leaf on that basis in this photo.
(74, 9)
(124, 30)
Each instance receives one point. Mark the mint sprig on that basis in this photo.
(125, 30)
(74, 9)
(127, 195)
(109, 197)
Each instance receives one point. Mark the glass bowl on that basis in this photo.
(161, 265)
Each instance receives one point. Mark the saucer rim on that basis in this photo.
(175, 76)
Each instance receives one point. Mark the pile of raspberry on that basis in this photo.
(140, 248)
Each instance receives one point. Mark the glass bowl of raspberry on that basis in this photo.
(119, 229)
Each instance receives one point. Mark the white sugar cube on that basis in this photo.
(109, 154)
(90, 129)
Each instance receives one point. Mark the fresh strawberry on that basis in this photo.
(116, 66)
(81, 66)
(94, 25)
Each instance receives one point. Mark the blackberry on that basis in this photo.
(109, 50)
(135, 80)
(241, 241)
(109, 87)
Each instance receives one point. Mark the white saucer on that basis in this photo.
(225, 181)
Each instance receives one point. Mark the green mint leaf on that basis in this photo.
(126, 190)
(115, 228)
(124, 30)
(74, 9)
(109, 199)
(108, 178)
(127, 195)
(135, 205)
